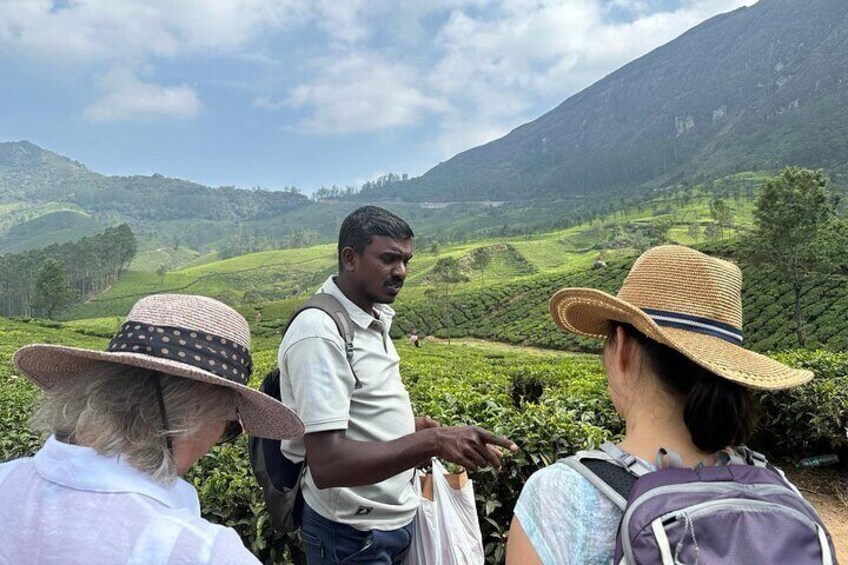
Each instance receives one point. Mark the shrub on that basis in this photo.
(517, 311)
(810, 419)
(569, 410)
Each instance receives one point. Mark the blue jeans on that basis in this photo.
(330, 543)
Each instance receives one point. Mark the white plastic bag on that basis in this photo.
(446, 528)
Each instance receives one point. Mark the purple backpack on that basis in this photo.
(743, 511)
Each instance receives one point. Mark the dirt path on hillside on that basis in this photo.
(834, 515)
(827, 490)
(501, 346)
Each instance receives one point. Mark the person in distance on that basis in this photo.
(124, 425)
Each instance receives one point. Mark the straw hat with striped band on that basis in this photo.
(686, 300)
(181, 335)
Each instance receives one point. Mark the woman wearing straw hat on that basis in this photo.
(678, 376)
(124, 425)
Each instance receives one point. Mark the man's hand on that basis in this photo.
(337, 461)
(424, 423)
(472, 447)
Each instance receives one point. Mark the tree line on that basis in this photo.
(43, 281)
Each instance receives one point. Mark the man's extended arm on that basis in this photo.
(321, 388)
(337, 461)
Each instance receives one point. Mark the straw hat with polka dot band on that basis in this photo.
(187, 336)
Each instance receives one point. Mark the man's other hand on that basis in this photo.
(425, 423)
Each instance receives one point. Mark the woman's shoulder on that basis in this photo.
(200, 541)
(561, 484)
(558, 496)
(558, 473)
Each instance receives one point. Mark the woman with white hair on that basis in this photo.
(124, 424)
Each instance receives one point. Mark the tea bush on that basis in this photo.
(517, 312)
(551, 404)
(809, 419)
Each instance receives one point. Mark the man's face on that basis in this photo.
(379, 271)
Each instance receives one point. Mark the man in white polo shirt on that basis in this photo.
(362, 440)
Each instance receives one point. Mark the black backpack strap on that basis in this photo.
(626, 460)
(279, 477)
(751, 457)
(610, 470)
(331, 306)
(611, 479)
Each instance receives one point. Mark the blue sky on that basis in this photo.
(275, 93)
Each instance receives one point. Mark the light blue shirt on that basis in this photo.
(568, 520)
(70, 505)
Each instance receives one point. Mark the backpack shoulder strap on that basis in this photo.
(331, 306)
(630, 462)
(271, 384)
(610, 470)
(749, 457)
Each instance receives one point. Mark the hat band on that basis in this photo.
(695, 324)
(208, 352)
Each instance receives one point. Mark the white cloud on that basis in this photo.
(127, 98)
(473, 68)
(495, 66)
(361, 92)
(90, 32)
(87, 39)
(344, 21)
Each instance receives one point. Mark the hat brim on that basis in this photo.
(588, 312)
(262, 416)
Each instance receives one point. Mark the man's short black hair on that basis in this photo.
(361, 225)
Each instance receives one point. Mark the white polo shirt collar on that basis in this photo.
(359, 316)
(82, 468)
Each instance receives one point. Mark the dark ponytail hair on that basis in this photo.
(717, 412)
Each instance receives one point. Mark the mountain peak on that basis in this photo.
(757, 88)
(25, 154)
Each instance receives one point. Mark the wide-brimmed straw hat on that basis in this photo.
(181, 335)
(686, 300)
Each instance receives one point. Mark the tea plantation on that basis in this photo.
(517, 312)
(551, 404)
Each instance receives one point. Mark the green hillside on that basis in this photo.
(241, 281)
(52, 226)
(273, 282)
(517, 312)
(46, 198)
(506, 300)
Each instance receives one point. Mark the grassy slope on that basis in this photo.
(35, 225)
(152, 253)
(12, 213)
(276, 280)
(517, 311)
(273, 274)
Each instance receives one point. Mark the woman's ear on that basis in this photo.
(621, 352)
(620, 361)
